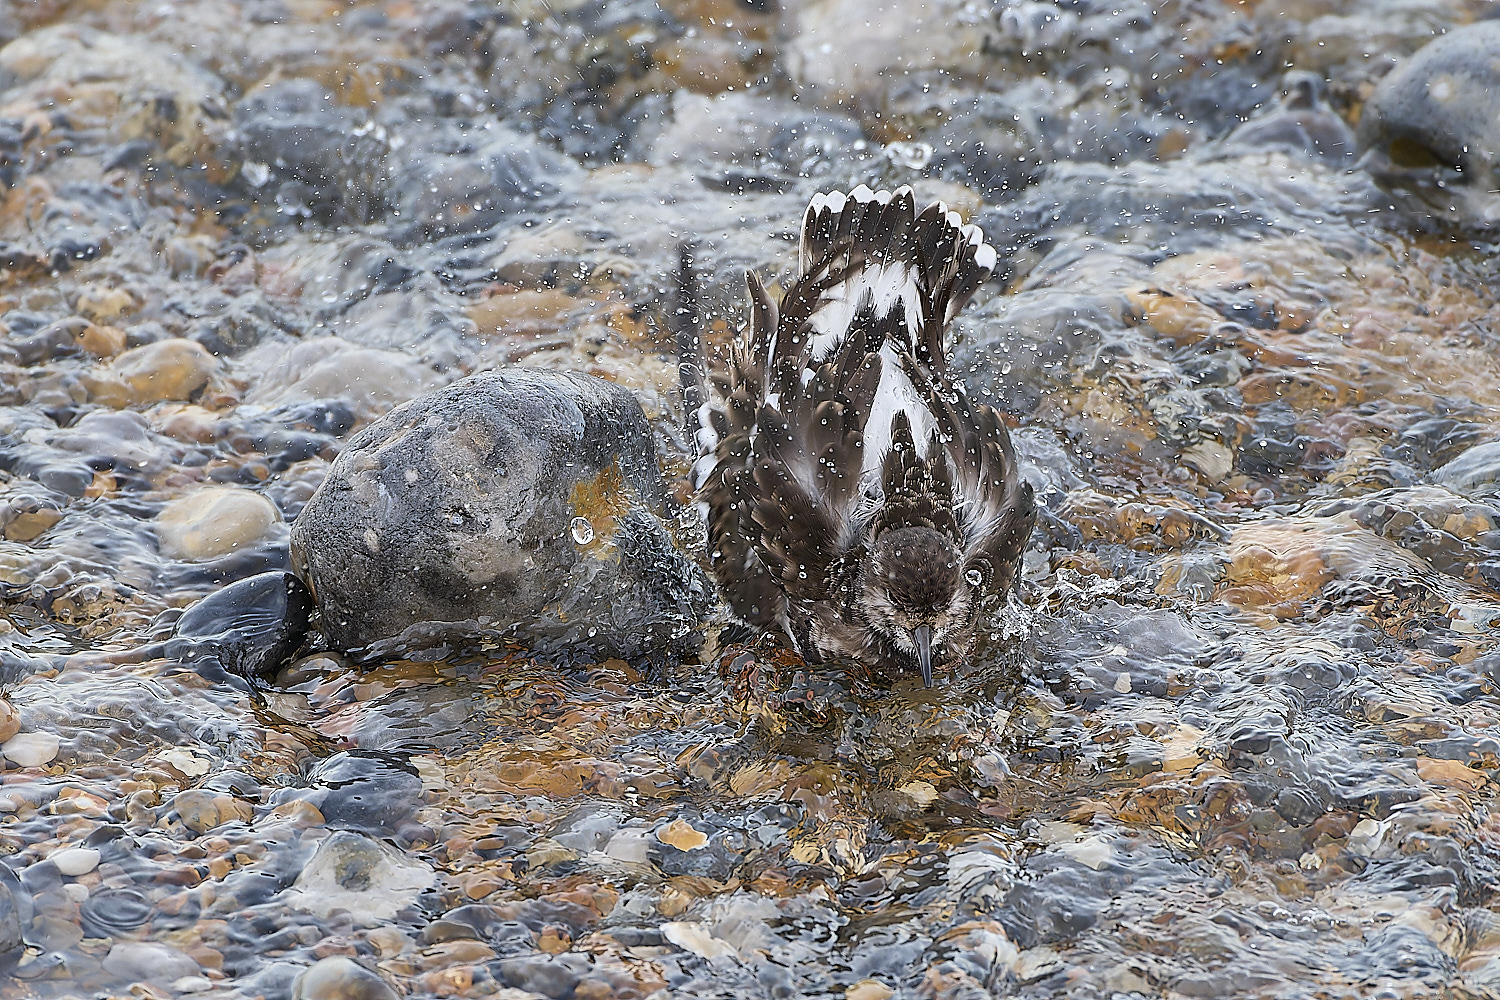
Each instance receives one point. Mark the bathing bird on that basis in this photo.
(856, 499)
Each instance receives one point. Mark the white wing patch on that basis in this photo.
(889, 286)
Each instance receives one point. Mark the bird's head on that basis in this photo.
(918, 598)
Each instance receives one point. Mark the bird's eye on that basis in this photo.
(974, 577)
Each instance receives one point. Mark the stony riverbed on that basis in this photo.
(1238, 738)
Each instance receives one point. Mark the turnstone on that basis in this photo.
(856, 499)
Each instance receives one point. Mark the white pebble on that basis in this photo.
(74, 861)
(31, 749)
(192, 984)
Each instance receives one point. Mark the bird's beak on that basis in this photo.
(922, 637)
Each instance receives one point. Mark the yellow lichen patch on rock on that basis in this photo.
(597, 505)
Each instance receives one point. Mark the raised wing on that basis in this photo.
(808, 458)
(994, 505)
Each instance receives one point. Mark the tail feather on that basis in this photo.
(923, 267)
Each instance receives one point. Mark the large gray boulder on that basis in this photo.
(1430, 133)
(512, 502)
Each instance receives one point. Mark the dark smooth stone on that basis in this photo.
(250, 628)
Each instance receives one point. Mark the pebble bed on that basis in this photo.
(1239, 737)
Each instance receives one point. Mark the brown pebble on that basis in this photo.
(197, 810)
(167, 369)
(10, 721)
(25, 527)
(554, 940)
(299, 812)
(100, 341)
(103, 305)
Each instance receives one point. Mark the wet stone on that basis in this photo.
(370, 880)
(553, 976)
(249, 628)
(339, 978)
(1228, 740)
(365, 790)
(145, 961)
(168, 369)
(1476, 470)
(467, 181)
(31, 749)
(306, 155)
(10, 721)
(75, 861)
(114, 912)
(1430, 134)
(215, 521)
(454, 514)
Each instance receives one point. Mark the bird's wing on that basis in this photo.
(723, 475)
(994, 505)
(808, 462)
(916, 487)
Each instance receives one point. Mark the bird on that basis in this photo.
(856, 499)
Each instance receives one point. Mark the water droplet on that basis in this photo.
(583, 531)
(974, 577)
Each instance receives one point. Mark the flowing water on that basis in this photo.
(1236, 738)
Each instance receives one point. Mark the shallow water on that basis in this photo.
(1235, 738)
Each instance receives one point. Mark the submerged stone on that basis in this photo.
(456, 514)
(213, 522)
(365, 790)
(351, 872)
(340, 978)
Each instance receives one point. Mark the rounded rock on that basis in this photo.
(75, 861)
(15, 913)
(453, 514)
(31, 749)
(145, 961)
(168, 369)
(1476, 470)
(10, 721)
(1431, 130)
(114, 912)
(214, 521)
(371, 880)
(249, 628)
(340, 978)
(198, 810)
